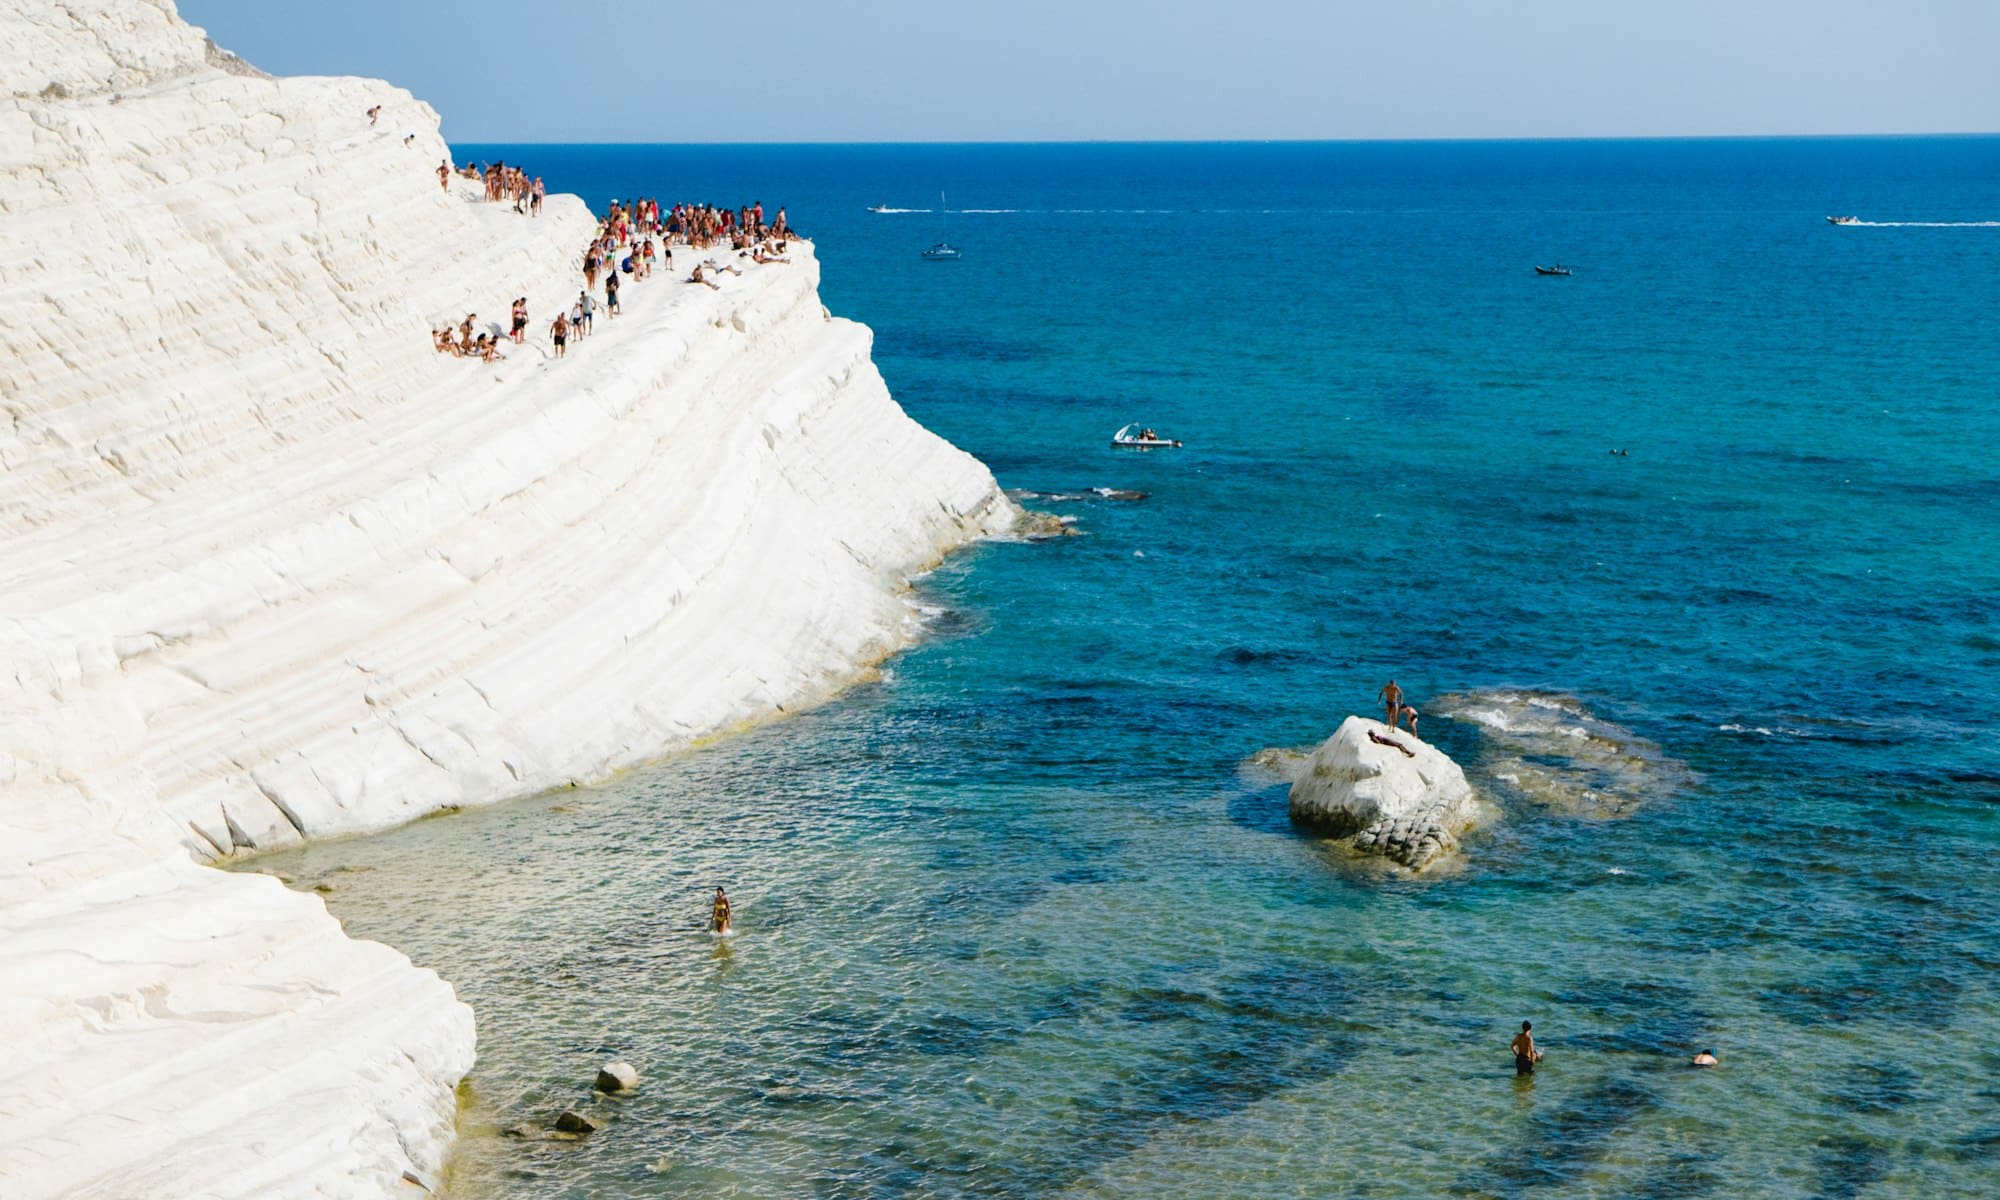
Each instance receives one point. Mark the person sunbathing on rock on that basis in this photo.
(1392, 743)
(489, 348)
(697, 277)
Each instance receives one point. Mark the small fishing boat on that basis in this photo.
(878, 208)
(1843, 220)
(1139, 438)
(1558, 269)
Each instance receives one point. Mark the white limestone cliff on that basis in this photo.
(271, 568)
(1396, 795)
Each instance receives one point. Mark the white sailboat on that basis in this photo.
(943, 251)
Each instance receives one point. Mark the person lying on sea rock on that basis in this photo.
(697, 277)
(1379, 740)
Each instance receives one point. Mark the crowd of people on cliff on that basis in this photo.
(633, 239)
(501, 183)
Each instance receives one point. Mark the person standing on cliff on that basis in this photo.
(611, 293)
(1392, 700)
(444, 175)
(1525, 1054)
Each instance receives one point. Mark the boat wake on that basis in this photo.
(1549, 751)
(1919, 224)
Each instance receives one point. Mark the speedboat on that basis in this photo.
(1843, 220)
(1139, 438)
(1558, 269)
(878, 208)
(942, 252)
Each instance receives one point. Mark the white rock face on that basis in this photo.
(1408, 807)
(270, 567)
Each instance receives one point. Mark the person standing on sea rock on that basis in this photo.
(1392, 702)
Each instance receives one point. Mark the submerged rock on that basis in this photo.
(572, 1121)
(1547, 749)
(617, 1077)
(1395, 794)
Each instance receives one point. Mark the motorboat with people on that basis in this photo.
(1558, 269)
(1141, 437)
(1843, 220)
(878, 208)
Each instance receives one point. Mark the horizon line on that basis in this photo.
(1300, 141)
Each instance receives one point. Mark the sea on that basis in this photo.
(1690, 557)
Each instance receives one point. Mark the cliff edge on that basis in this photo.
(272, 568)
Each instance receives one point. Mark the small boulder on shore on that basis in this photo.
(616, 1077)
(1394, 794)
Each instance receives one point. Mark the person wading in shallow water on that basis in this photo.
(718, 917)
(1392, 701)
(1525, 1054)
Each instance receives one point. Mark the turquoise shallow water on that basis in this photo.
(1019, 920)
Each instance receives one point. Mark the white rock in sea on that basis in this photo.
(617, 1077)
(270, 568)
(1410, 808)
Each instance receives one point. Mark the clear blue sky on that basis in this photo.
(1058, 70)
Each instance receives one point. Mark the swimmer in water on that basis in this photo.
(1525, 1054)
(1706, 1059)
(718, 920)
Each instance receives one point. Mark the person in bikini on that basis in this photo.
(1525, 1054)
(519, 332)
(718, 914)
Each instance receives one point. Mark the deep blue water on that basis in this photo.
(1114, 969)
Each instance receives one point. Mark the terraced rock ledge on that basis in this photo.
(271, 569)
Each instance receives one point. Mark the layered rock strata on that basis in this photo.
(271, 568)
(1395, 795)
